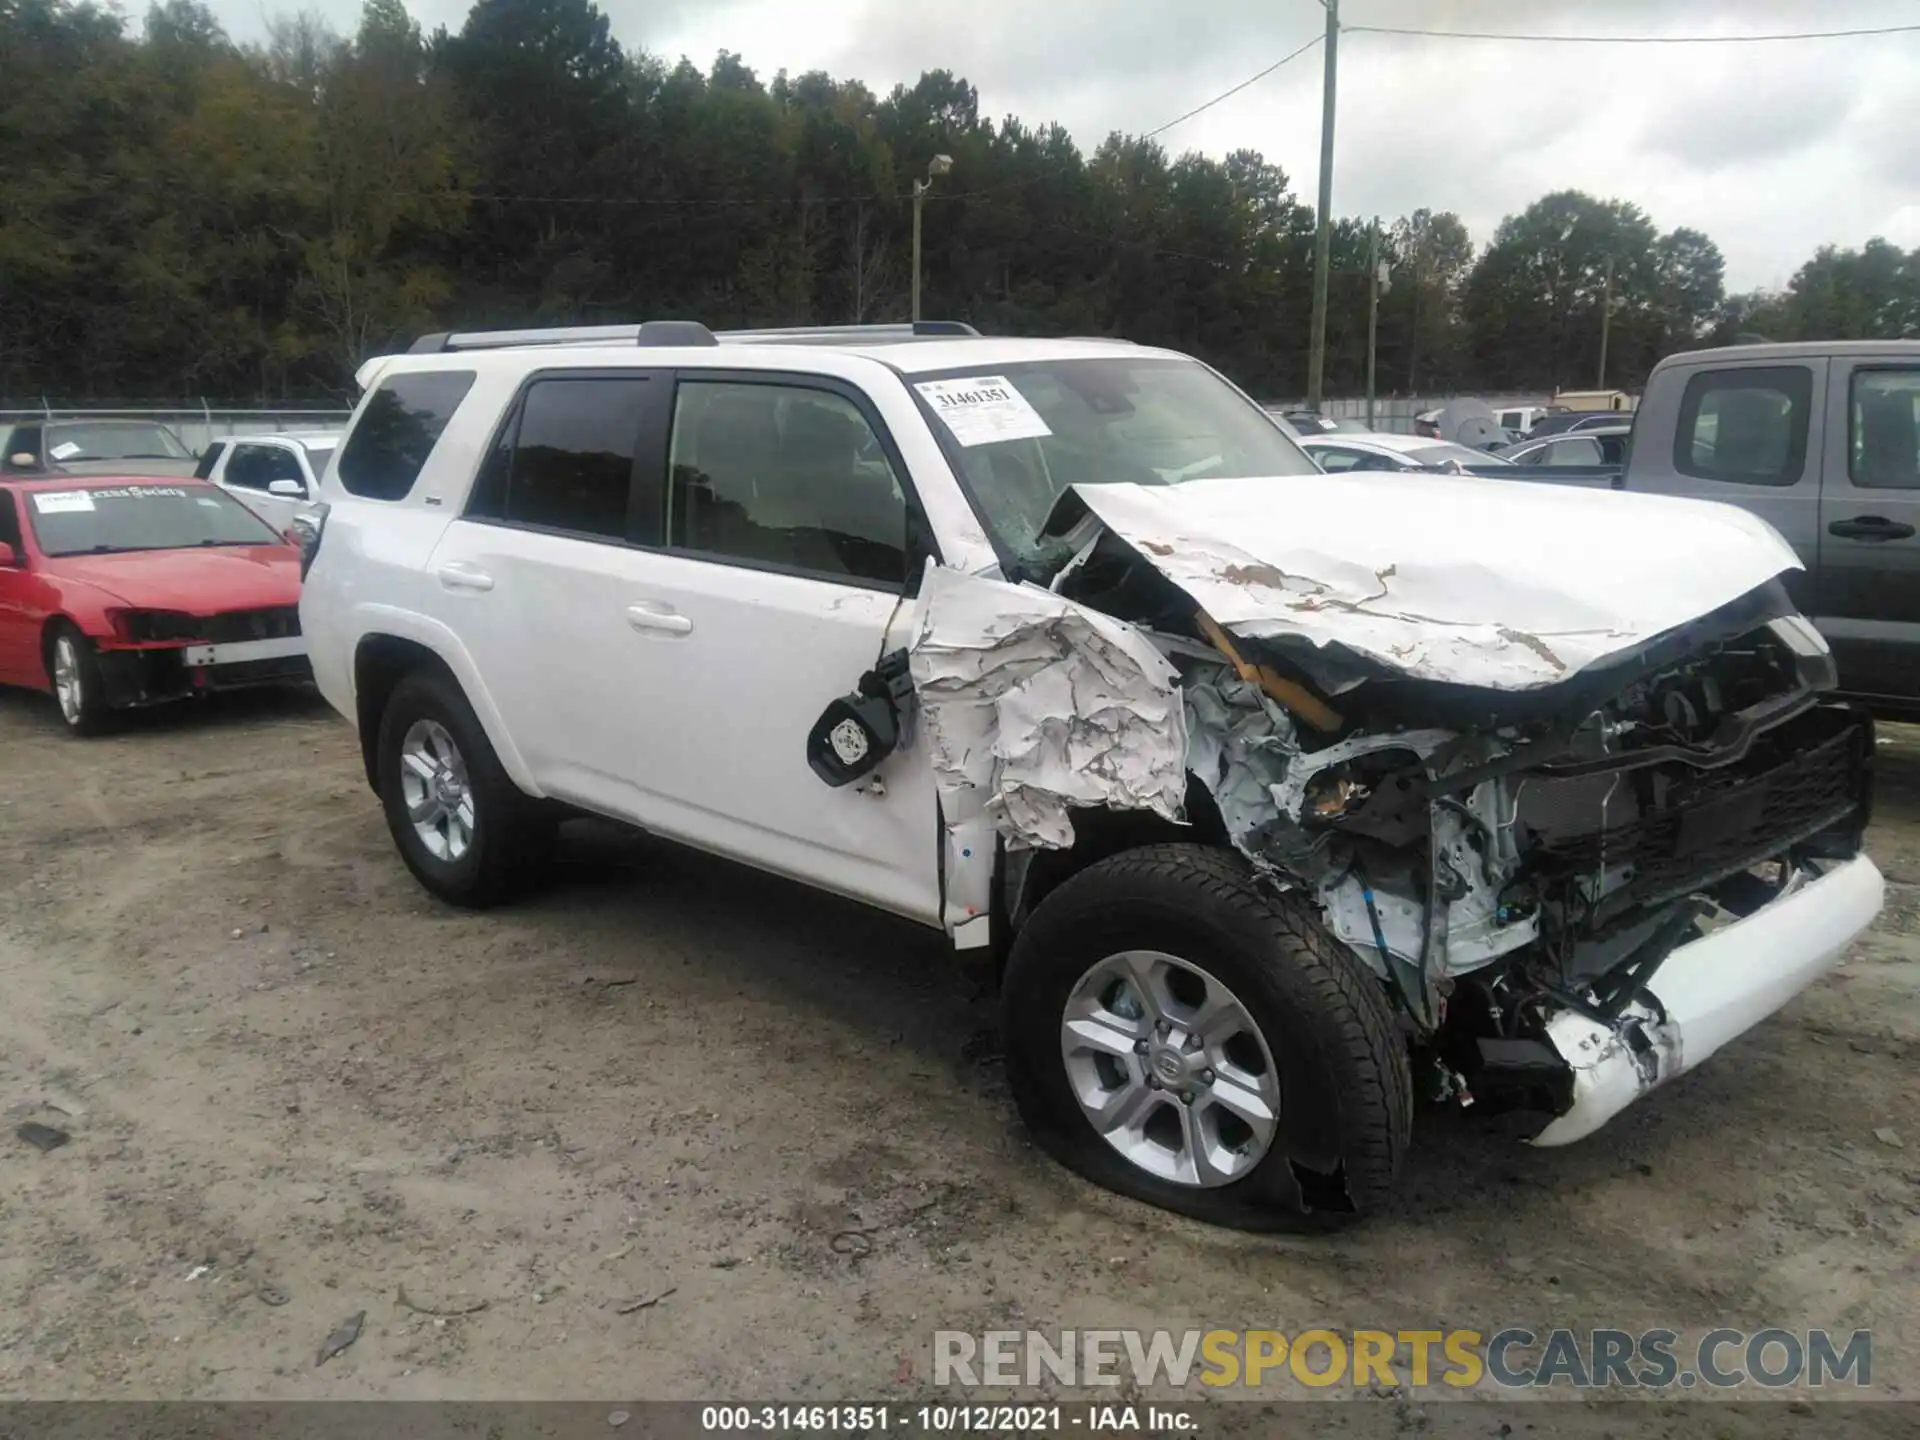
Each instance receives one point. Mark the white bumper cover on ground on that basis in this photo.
(1713, 989)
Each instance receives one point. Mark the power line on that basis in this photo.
(1633, 39)
(1229, 94)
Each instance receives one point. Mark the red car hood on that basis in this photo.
(199, 582)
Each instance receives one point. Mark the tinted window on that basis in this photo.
(398, 428)
(256, 467)
(1582, 450)
(209, 458)
(570, 464)
(116, 518)
(1885, 429)
(784, 476)
(1746, 427)
(10, 524)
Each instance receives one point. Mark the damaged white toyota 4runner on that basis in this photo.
(1259, 791)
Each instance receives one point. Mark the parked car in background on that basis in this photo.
(1337, 453)
(1598, 445)
(272, 475)
(1589, 401)
(94, 447)
(1520, 419)
(1312, 422)
(1821, 439)
(137, 590)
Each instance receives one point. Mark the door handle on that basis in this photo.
(645, 616)
(458, 575)
(1871, 527)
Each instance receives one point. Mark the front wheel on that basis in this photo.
(77, 686)
(465, 830)
(1178, 1034)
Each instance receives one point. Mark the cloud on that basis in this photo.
(1770, 149)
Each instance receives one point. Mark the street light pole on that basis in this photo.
(939, 165)
(1606, 321)
(1323, 239)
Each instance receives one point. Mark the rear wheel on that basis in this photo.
(1176, 1033)
(77, 686)
(465, 830)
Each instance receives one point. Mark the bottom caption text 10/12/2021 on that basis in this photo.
(955, 1418)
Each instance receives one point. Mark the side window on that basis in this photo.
(565, 461)
(1745, 427)
(209, 458)
(1613, 450)
(1579, 451)
(397, 430)
(10, 524)
(1334, 461)
(1884, 433)
(784, 476)
(251, 467)
(23, 449)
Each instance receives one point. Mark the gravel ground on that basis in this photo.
(296, 1086)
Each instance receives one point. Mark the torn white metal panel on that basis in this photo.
(1450, 578)
(1709, 991)
(1034, 704)
(1240, 743)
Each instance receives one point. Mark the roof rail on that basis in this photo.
(852, 334)
(682, 332)
(651, 332)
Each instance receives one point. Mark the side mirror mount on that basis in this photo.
(287, 489)
(8, 559)
(858, 731)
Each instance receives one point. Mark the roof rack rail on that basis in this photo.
(682, 332)
(651, 332)
(840, 334)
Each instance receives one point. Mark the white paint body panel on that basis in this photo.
(1452, 578)
(235, 651)
(1714, 989)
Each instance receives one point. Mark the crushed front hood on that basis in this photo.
(1496, 583)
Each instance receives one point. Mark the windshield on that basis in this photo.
(1023, 434)
(112, 519)
(1448, 453)
(114, 442)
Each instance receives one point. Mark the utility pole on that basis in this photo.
(1376, 281)
(1606, 322)
(1323, 239)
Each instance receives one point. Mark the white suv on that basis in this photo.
(1253, 788)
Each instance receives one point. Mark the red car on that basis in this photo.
(122, 592)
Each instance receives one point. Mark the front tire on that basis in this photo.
(78, 689)
(1176, 1033)
(463, 828)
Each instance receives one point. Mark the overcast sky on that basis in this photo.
(1772, 149)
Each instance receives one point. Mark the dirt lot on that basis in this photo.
(290, 1076)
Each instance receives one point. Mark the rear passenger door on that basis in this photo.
(1747, 434)
(1869, 588)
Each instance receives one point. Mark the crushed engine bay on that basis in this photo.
(1504, 843)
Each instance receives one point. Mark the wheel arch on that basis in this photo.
(1098, 834)
(382, 659)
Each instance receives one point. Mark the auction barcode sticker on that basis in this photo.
(983, 409)
(61, 502)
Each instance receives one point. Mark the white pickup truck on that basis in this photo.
(1258, 791)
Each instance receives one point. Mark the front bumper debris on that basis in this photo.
(1708, 992)
(156, 676)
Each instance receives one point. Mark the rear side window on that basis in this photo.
(1745, 427)
(1885, 429)
(398, 428)
(10, 523)
(566, 461)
